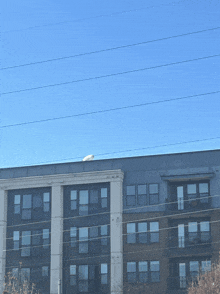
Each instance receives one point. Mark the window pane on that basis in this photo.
(130, 190)
(83, 247)
(83, 234)
(206, 266)
(17, 208)
(73, 204)
(203, 188)
(142, 227)
(83, 286)
(17, 199)
(180, 200)
(26, 214)
(132, 277)
(73, 270)
(46, 197)
(94, 232)
(191, 189)
(204, 226)
(192, 227)
(73, 195)
(104, 192)
(83, 197)
(25, 274)
(36, 237)
(26, 201)
(154, 199)
(131, 267)
(16, 245)
(154, 265)
(104, 230)
(131, 228)
(181, 236)
(104, 268)
(83, 209)
(44, 271)
(26, 238)
(104, 279)
(142, 189)
(37, 201)
(94, 196)
(131, 200)
(142, 199)
(15, 272)
(143, 277)
(104, 202)
(142, 265)
(182, 269)
(153, 188)
(45, 233)
(194, 267)
(154, 226)
(73, 232)
(16, 235)
(83, 272)
(46, 206)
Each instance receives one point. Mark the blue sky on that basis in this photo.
(41, 30)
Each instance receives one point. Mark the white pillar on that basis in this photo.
(3, 228)
(56, 238)
(116, 237)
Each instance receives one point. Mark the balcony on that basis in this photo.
(187, 246)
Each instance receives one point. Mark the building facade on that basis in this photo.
(127, 225)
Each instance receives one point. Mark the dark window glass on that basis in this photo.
(94, 196)
(83, 202)
(73, 199)
(155, 271)
(83, 278)
(26, 214)
(16, 240)
(154, 193)
(104, 273)
(73, 275)
(104, 232)
(131, 198)
(36, 237)
(46, 197)
(45, 271)
(37, 201)
(192, 231)
(104, 194)
(142, 232)
(142, 194)
(83, 240)
(46, 238)
(204, 192)
(17, 204)
(25, 242)
(154, 232)
(73, 236)
(25, 274)
(131, 272)
(143, 271)
(27, 201)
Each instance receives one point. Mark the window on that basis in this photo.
(16, 240)
(83, 240)
(180, 198)
(154, 193)
(181, 236)
(104, 232)
(15, 272)
(45, 271)
(131, 233)
(154, 232)
(194, 269)
(182, 275)
(46, 198)
(204, 192)
(206, 266)
(94, 239)
(73, 275)
(142, 232)
(142, 194)
(131, 272)
(73, 199)
(130, 198)
(94, 196)
(36, 237)
(25, 274)
(155, 271)
(26, 208)
(46, 238)
(26, 242)
(104, 273)
(83, 202)
(205, 231)
(191, 192)
(143, 271)
(73, 235)
(37, 201)
(192, 231)
(83, 278)
(104, 199)
(17, 204)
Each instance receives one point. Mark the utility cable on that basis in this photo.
(108, 110)
(110, 75)
(109, 49)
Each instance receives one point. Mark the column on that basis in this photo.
(116, 237)
(56, 238)
(3, 229)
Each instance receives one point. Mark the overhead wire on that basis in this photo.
(109, 49)
(110, 75)
(109, 110)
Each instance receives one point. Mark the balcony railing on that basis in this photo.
(188, 204)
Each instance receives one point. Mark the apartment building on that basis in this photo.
(124, 225)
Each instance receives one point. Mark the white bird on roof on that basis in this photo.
(88, 158)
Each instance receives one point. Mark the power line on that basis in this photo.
(93, 17)
(124, 211)
(109, 49)
(107, 110)
(110, 75)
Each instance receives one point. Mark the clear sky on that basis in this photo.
(39, 30)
